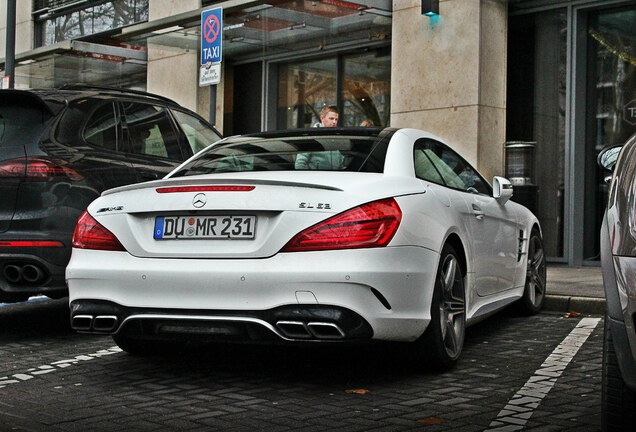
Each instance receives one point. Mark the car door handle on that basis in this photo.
(478, 212)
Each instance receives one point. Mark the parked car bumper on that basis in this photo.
(31, 270)
(389, 288)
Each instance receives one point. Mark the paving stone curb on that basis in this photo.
(564, 303)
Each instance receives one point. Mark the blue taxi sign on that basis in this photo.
(211, 35)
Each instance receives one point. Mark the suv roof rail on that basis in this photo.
(80, 86)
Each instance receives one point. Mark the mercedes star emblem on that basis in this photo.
(199, 200)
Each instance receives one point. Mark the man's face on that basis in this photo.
(330, 119)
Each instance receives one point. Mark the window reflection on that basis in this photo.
(304, 88)
(367, 89)
(92, 19)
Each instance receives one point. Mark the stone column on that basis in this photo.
(448, 76)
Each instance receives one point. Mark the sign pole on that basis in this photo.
(213, 105)
(9, 62)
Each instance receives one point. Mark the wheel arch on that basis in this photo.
(455, 241)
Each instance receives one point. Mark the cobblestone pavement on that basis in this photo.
(54, 380)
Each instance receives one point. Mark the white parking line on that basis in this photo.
(60, 364)
(517, 412)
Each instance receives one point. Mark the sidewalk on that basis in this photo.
(577, 289)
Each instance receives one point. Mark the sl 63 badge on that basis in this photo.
(319, 206)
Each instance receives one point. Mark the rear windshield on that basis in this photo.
(292, 153)
(19, 119)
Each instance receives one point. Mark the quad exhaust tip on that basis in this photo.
(32, 273)
(312, 330)
(323, 330)
(12, 273)
(99, 323)
(26, 273)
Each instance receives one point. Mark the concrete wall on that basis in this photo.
(448, 76)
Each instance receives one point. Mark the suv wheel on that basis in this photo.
(618, 402)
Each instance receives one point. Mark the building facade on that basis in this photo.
(557, 76)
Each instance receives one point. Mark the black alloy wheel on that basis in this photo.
(534, 292)
(443, 340)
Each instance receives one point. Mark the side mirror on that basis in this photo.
(608, 156)
(501, 189)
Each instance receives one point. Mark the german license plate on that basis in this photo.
(205, 227)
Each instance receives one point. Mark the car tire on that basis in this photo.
(534, 293)
(443, 340)
(618, 402)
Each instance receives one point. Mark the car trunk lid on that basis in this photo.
(247, 215)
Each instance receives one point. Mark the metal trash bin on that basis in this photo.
(520, 172)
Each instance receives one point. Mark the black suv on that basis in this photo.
(59, 149)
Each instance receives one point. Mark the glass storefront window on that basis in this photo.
(536, 95)
(90, 19)
(367, 89)
(290, 58)
(611, 92)
(283, 26)
(304, 89)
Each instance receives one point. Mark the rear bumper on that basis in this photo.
(288, 323)
(390, 289)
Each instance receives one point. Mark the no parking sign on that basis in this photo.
(211, 45)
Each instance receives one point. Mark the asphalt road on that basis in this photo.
(516, 373)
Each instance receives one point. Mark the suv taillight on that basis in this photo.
(370, 225)
(89, 234)
(37, 169)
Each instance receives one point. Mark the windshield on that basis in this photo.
(352, 153)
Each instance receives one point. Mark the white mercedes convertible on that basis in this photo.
(322, 235)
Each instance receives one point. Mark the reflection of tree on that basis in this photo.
(94, 19)
(363, 102)
(313, 91)
(616, 82)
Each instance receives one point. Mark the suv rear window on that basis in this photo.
(19, 119)
(292, 153)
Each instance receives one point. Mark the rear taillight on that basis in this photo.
(89, 234)
(13, 168)
(369, 225)
(37, 169)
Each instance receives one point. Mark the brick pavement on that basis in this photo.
(247, 388)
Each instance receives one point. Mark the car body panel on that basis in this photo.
(618, 260)
(345, 278)
(390, 287)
